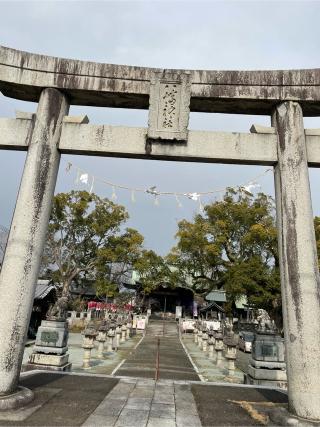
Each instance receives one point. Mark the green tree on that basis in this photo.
(152, 270)
(232, 245)
(85, 242)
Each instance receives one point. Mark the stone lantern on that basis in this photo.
(231, 352)
(211, 342)
(89, 335)
(123, 333)
(128, 328)
(117, 336)
(101, 338)
(200, 337)
(110, 336)
(204, 339)
(195, 332)
(219, 348)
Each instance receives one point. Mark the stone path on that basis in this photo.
(174, 363)
(147, 403)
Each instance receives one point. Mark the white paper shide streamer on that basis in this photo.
(85, 178)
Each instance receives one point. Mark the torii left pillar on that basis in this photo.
(26, 240)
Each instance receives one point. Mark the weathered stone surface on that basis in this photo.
(23, 76)
(21, 397)
(76, 119)
(23, 115)
(50, 349)
(201, 147)
(169, 106)
(262, 129)
(15, 134)
(268, 347)
(52, 334)
(22, 259)
(267, 374)
(49, 359)
(207, 147)
(300, 282)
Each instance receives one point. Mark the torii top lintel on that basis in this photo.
(23, 75)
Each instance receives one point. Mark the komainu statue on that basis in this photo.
(265, 324)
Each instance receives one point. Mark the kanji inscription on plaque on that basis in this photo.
(169, 106)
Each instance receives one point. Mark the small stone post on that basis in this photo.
(89, 335)
(123, 333)
(219, 349)
(204, 340)
(231, 354)
(27, 235)
(110, 337)
(195, 333)
(128, 330)
(101, 338)
(200, 337)
(118, 335)
(211, 342)
(300, 282)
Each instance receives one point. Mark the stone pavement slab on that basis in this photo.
(158, 409)
(161, 422)
(132, 418)
(163, 410)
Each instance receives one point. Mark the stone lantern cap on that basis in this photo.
(89, 332)
(104, 327)
(211, 332)
(230, 340)
(219, 336)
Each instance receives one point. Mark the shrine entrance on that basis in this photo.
(169, 95)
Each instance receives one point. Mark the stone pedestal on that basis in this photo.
(219, 349)
(200, 339)
(231, 352)
(128, 330)
(204, 342)
(123, 333)
(267, 365)
(101, 338)
(195, 334)
(117, 338)
(89, 336)
(231, 355)
(109, 340)
(50, 349)
(211, 350)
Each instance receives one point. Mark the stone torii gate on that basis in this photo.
(169, 95)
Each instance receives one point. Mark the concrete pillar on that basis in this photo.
(300, 283)
(27, 235)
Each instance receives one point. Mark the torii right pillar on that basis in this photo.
(300, 281)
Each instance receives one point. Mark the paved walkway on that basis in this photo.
(174, 364)
(132, 398)
(147, 403)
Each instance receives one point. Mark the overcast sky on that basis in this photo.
(166, 34)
